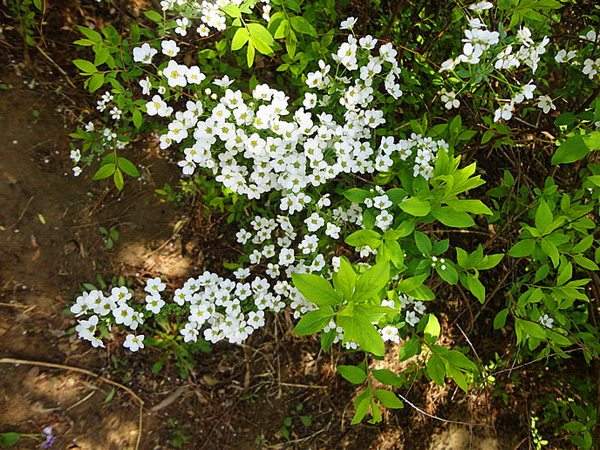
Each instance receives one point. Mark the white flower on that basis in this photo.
(144, 54)
(504, 112)
(194, 76)
(154, 303)
(449, 99)
(76, 171)
(333, 231)
(182, 25)
(176, 74)
(480, 6)
(154, 286)
(314, 222)
(348, 24)
(203, 30)
(545, 104)
(133, 342)
(145, 85)
(169, 48)
(223, 82)
(562, 56)
(590, 36)
(547, 321)
(411, 318)
(390, 334)
(525, 93)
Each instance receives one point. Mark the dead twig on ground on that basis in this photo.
(90, 374)
(60, 69)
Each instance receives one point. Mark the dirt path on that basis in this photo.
(49, 244)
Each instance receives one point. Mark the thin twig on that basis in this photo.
(22, 214)
(468, 341)
(441, 419)
(91, 374)
(578, 349)
(60, 69)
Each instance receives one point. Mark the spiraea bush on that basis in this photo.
(348, 162)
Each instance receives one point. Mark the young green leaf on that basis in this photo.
(313, 321)
(415, 206)
(104, 171)
(240, 38)
(452, 218)
(301, 25)
(432, 328)
(389, 399)
(316, 289)
(128, 167)
(86, 67)
(353, 374)
(388, 377)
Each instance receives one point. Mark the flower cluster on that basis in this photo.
(261, 142)
(211, 14)
(264, 142)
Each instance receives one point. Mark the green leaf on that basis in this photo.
(137, 118)
(356, 195)
(372, 281)
(118, 179)
(583, 245)
(571, 150)
(415, 206)
(388, 377)
(95, 82)
(549, 248)
(522, 248)
(361, 331)
(432, 327)
(92, 35)
(104, 171)
(490, 261)
(423, 243)
(153, 16)
(316, 289)
(476, 287)
(313, 321)
(301, 25)
(261, 38)
(584, 262)
(85, 66)
(282, 29)
(543, 217)
(452, 218)
(240, 38)
(362, 407)
(344, 279)
(500, 319)
(389, 399)
(532, 329)
(353, 374)
(9, 439)
(470, 206)
(411, 348)
(458, 377)
(436, 369)
(449, 274)
(232, 11)
(361, 238)
(250, 53)
(128, 167)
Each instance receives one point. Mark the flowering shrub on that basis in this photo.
(352, 193)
